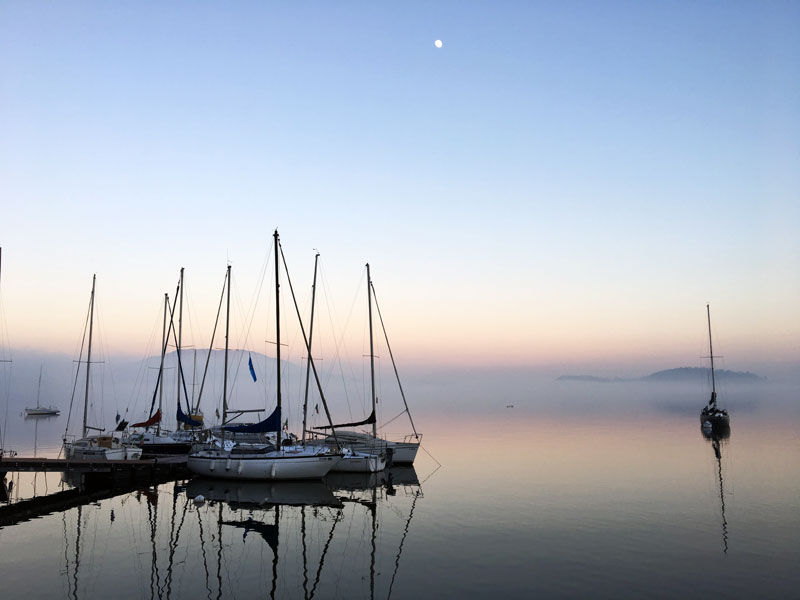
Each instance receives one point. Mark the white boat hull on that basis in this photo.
(277, 465)
(109, 449)
(403, 453)
(358, 462)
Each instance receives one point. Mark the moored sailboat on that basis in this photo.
(261, 461)
(712, 414)
(366, 441)
(102, 446)
(39, 410)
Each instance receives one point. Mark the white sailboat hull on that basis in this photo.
(276, 465)
(101, 448)
(403, 453)
(359, 462)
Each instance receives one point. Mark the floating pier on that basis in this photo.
(160, 466)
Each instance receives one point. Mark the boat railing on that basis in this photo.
(413, 438)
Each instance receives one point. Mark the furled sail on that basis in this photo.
(183, 418)
(156, 418)
(271, 423)
(368, 421)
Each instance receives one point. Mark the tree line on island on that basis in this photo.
(679, 375)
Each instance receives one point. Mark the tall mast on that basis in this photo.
(711, 352)
(310, 334)
(180, 332)
(371, 352)
(278, 334)
(227, 330)
(88, 356)
(39, 389)
(161, 367)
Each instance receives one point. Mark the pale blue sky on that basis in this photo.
(562, 180)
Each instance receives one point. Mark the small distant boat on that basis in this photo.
(38, 410)
(712, 416)
(42, 411)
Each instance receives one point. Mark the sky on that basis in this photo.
(559, 184)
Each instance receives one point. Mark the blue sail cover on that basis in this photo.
(182, 418)
(271, 423)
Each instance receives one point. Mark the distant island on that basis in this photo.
(679, 375)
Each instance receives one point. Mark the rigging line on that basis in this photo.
(432, 472)
(305, 339)
(389, 347)
(141, 373)
(340, 342)
(77, 374)
(213, 335)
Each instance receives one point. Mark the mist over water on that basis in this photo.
(546, 487)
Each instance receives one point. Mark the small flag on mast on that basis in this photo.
(252, 370)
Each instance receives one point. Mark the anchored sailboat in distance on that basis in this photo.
(713, 416)
(39, 410)
(262, 461)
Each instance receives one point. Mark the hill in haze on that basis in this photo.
(679, 375)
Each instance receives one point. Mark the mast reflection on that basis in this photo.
(718, 436)
(303, 525)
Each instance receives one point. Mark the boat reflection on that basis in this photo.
(309, 527)
(342, 537)
(719, 435)
(257, 494)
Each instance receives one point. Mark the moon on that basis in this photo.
(438, 43)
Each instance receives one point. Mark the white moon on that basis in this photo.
(438, 43)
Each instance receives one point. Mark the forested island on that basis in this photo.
(679, 375)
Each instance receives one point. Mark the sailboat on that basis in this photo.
(264, 460)
(361, 441)
(160, 441)
(712, 416)
(102, 446)
(5, 386)
(353, 461)
(39, 410)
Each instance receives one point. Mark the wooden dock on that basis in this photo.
(92, 491)
(149, 467)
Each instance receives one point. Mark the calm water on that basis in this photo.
(578, 490)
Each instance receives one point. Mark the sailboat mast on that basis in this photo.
(310, 336)
(39, 389)
(278, 333)
(88, 356)
(371, 352)
(711, 352)
(161, 366)
(227, 330)
(180, 336)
